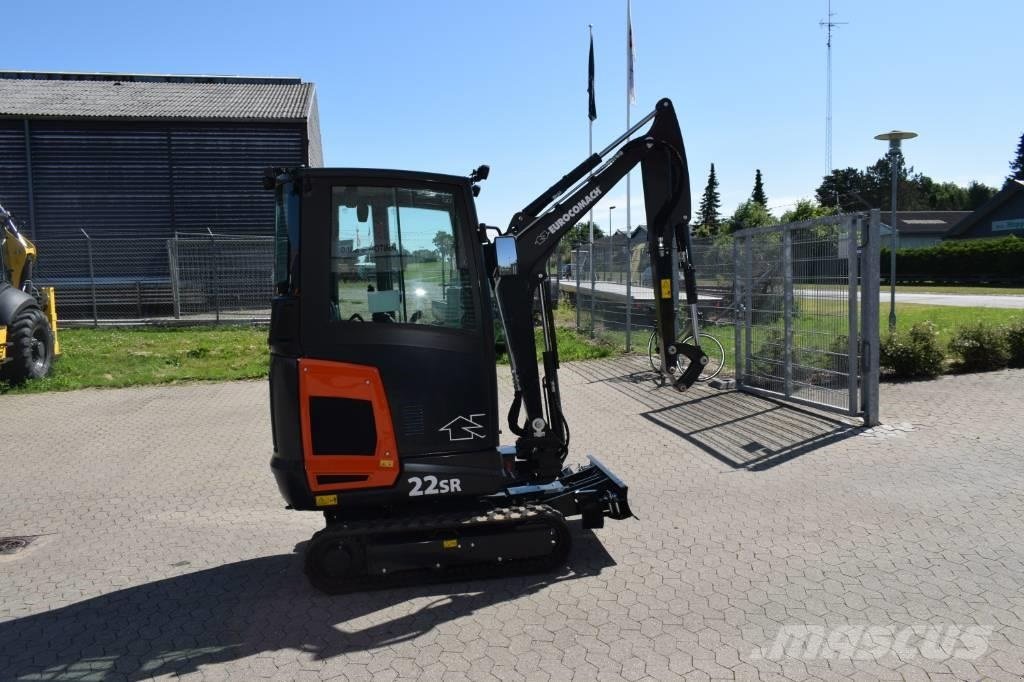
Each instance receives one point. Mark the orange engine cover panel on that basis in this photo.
(325, 470)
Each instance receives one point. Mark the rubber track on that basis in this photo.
(369, 532)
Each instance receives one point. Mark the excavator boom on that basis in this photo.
(519, 268)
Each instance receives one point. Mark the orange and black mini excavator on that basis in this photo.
(383, 384)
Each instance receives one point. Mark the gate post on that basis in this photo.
(579, 299)
(172, 260)
(748, 322)
(851, 226)
(869, 318)
(787, 310)
(629, 294)
(737, 309)
(92, 278)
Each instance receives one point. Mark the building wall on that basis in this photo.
(1011, 210)
(916, 241)
(315, 150)
(142, 179)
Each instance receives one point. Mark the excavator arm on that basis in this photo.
(518, 262)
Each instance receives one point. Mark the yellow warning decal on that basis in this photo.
(666, 288)
(387, 464)
(449, 544)
(326, 500)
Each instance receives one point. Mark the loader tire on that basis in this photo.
(30, 347)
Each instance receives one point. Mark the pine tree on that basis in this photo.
(758, 196)
(1017, 165)
(708, 218)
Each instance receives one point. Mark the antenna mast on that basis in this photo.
(828, 25)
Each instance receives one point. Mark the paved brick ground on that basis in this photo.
(164, 549)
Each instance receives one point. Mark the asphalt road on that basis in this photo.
(959, 300)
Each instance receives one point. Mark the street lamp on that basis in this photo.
(610, 209)
(894, 138)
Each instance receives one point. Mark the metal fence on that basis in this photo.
(807, 304)
(614, 302)
(794, 306)
(221, 277)
(209, 277)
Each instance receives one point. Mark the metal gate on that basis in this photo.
(807, 312)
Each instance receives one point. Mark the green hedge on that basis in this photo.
(975, 347)
(960, 260)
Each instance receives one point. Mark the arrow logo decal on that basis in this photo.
(464, 428)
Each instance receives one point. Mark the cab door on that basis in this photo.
(396, 331)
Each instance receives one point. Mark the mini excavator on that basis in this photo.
(383, 383)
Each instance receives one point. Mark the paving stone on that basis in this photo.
(771, 543)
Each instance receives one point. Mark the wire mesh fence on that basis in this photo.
(188, 278)
(614, 300)
(221, 277)
(799, 302)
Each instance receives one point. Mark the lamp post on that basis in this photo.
(894, 138)
(610, 209)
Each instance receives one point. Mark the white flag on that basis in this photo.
(630, 54)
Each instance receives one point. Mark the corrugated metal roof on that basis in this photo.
(106, 97)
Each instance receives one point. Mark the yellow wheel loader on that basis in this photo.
(28, 314)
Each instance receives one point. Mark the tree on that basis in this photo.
(854, 190)
(945, 196)
(443, 243)
(842, 188)
(1017, 165)
(758, 195)
(708, 219)
(807, 209)
(579, 234)
(978, 193)
(750, 214)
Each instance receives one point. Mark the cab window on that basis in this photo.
(396, 257)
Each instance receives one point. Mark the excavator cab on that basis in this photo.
(383, 349)
(383, 384)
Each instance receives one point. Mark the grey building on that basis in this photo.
(918, 229)
(145, 156)
(1000, 216)
(132, 160)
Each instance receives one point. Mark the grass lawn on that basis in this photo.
(135, 356)
(945, 318)
(113, 357)
(110, 357)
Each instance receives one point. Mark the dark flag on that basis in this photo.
(590, 82)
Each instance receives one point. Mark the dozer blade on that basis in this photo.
(591, 491)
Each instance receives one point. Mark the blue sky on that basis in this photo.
(450, 84)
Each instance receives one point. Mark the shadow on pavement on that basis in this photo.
(222, 614)
(740, 430)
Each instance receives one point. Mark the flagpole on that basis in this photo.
(590, 152)
(629, 95)
(629, 71)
